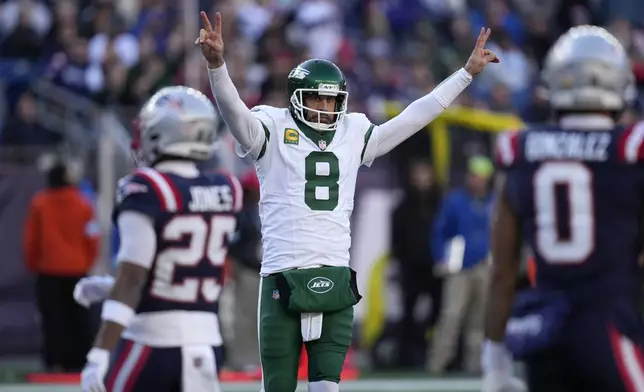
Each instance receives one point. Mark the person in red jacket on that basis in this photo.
(61, 241)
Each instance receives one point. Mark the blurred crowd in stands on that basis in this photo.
(115, 53)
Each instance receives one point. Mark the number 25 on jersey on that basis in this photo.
(207, 241)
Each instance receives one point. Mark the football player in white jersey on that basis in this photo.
(307, 158)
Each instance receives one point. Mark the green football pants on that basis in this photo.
(280, 342)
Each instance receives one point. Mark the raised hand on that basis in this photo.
(480, 56)
(212, 45)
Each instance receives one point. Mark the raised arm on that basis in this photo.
(247, 129)
(424, 110)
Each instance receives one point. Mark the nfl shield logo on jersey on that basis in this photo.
(322, 144)
(276, 294)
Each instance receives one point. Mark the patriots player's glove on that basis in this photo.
(93, 374)
(92, 289)
(498, 370)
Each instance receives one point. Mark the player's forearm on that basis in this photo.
(499, 304)
(506, 252)
(242, 124)
(420, 113)
(119, 309)
(501, 289)
(108, 335)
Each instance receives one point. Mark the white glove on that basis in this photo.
(93, 374)
(498, 370)
(92, 289)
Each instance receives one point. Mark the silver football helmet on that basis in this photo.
(177, 121)
(587, 69)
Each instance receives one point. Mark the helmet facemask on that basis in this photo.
(144, 145)
(198, 144)
(332, 90)
(199, 136)
(587, 70)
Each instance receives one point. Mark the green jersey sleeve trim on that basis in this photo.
(268, 137)
(367, 136)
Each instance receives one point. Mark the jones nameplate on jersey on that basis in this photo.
(587, 146)
(211, 198)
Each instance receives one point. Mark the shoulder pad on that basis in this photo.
(630, 145)
(506, 148)
(359, 120)
(147, 191)
(355, 116)
(127, 185)
(261, 108)
(265, 111)
(269, 116)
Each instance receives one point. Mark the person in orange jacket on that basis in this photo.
(61, 241)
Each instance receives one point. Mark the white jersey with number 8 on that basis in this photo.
(307, 190)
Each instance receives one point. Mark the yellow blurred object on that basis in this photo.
(374, 320)
(475, 119)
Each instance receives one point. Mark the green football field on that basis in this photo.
(388, 385)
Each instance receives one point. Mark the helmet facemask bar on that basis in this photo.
(297, 100)
(588, 70)
(588, 85)
(145, 143)
(200, 135)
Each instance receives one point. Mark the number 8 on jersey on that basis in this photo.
(322, 173)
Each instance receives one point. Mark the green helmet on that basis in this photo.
(320, 77)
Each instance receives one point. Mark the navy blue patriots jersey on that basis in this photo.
(193, 221)
(579, 197)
